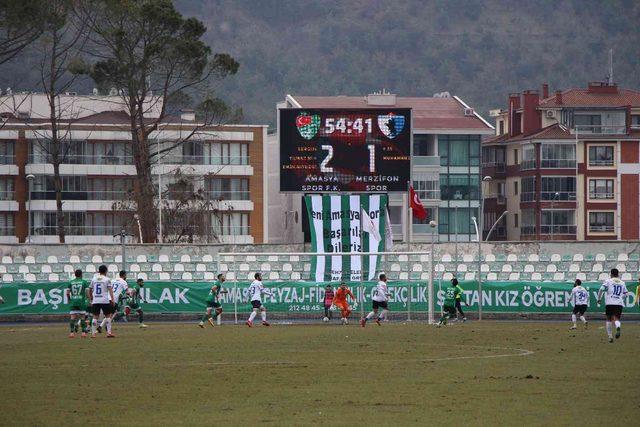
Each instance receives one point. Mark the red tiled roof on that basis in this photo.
(588, 98)
(428, 113)
(550, 132)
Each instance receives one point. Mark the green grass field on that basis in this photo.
(503, 373)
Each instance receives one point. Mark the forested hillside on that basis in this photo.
(479, 50)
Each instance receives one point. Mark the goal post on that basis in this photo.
(297, 295)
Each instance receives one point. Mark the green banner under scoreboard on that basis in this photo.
(305, 297)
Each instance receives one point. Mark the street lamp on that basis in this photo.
(433, 226)
(30, 179)
(480, 229)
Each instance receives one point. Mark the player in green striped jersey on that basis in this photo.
(134, 302)
(213, 301)
(77, 295)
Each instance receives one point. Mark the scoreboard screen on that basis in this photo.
(338, 150)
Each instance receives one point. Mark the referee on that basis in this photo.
(459, 299)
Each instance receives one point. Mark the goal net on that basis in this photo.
(297, 294)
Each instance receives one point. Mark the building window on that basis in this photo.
(558, 188)
(7, 153)
(228, 189)
(601, 155)
(601, 189)
(45, 223)
(427, 186)
(558, 156)
(451, 220)
(601, 222)
(515, 188)
(424, 145)
(493, 157)
(6, 188)
(528, 157)
(230, 224)
(502, 192)
(588, 123)
(73, 187)
(459, 150)
(528, 189)
(7, 226)
(515, 220)
(110, 188)
(528, 222)
(635, 121)
(501, 127)
(80, 152)
(558, 221)
(516, 161)
(460, 187)
(431, 216)
(395, 217)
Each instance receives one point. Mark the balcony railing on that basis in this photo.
(601, 228)
(601, 162)
(232, 230)
(76, 230)
(228, 195)
(81, 195)
(500, 167)
(429, 194)
(529, 196)
(76, 159)
(558, 163)
(601, 129)
(557, 229)
(527, 165)
(7, 160)
(7, 231)
(528, 230)
(186, 159)
(550, 196)
(601, 196)
(7, 195)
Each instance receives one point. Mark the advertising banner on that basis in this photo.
(335, 222)
(304, 297)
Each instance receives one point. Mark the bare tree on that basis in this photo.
(59, 45)
(153, 56)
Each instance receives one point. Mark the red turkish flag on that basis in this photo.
(416, 205)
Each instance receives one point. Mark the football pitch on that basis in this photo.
(498, 373)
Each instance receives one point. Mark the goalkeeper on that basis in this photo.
(449, 302)
(340, 301)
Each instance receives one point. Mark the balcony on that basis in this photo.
(75, 159)
(557, 229)
(601, 196)
(550, 196)
(7, 160)
(7, 195)
(600, 129)
(527, 165)
(82, 195)
(595, 228)
(529, 230)
(7, 231)
(228, 195)
(426, 161)
(177, 159)
(558, 163)
(529, 196)
(76, 230)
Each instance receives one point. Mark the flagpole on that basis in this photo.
(409, 225)
(361, 261)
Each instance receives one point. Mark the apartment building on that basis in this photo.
(223, 163)
(445, 171)
(565, 166)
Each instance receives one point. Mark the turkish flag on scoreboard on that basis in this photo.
(416, 205)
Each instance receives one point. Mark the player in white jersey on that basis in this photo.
(379, 300)
(120, 291)
(256, 289)
(580, 299)
(102, 299)
(614, 291)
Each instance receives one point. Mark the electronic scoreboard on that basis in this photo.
(345, 150)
